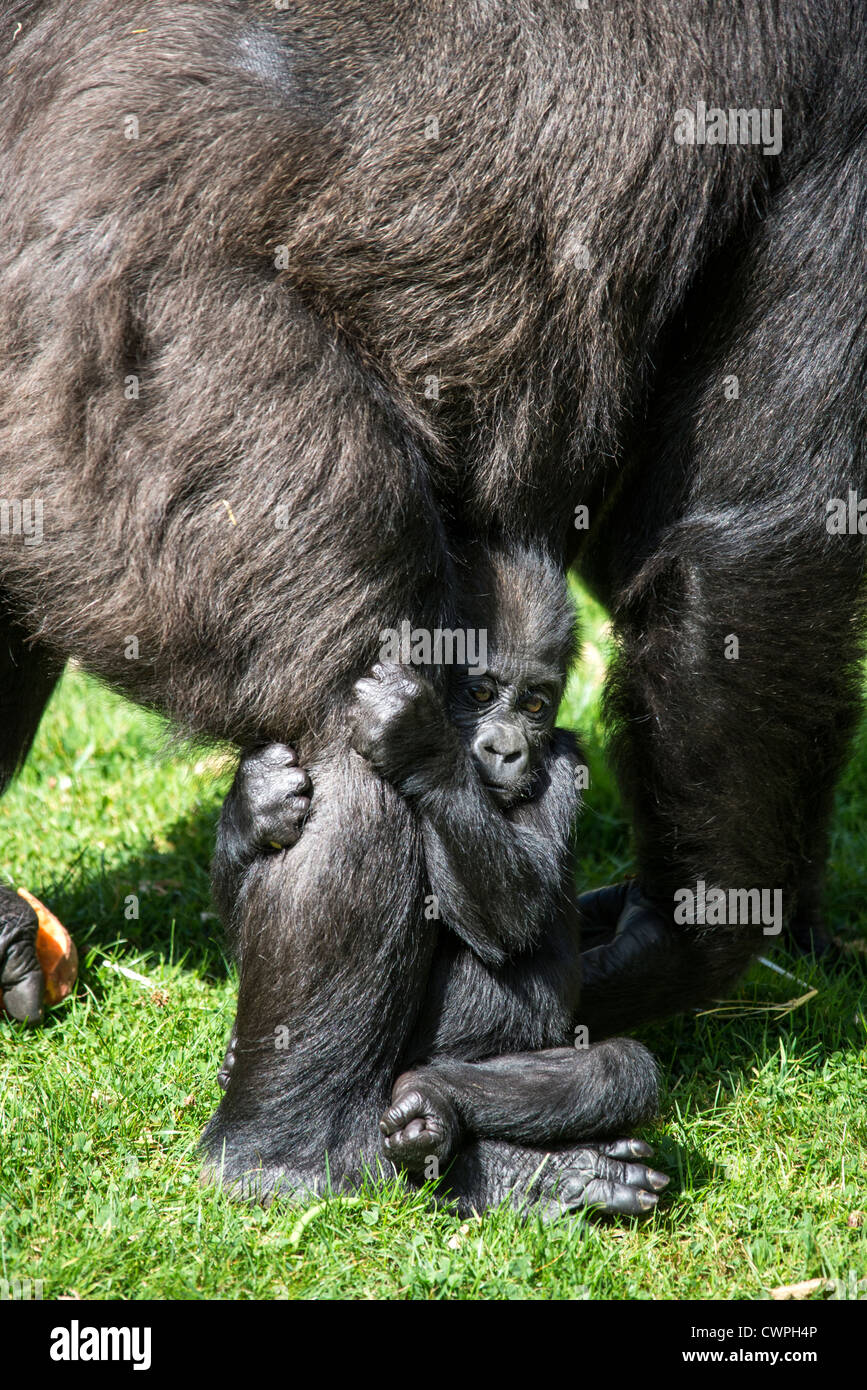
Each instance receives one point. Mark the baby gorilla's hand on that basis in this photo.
(397, 720)
(272, 797)
(264, 811)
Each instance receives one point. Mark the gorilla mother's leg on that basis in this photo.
(741, 620)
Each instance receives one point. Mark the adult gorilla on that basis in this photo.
(285, 295)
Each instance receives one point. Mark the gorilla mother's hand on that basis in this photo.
(21, 980)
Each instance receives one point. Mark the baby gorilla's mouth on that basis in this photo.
(506, 795)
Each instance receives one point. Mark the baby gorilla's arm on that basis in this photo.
(263, 812)
(498, 876)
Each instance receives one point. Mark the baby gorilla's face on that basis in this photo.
(505, 717)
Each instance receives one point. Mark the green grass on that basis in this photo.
(763, 1125)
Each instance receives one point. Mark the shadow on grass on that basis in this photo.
(169, 891)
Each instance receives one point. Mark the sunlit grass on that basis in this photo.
(763, 1127)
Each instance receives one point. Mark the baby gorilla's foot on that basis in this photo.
(601, 1176)
(420, 1124)
(273, 796)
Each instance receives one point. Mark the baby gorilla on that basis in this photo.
(493, 1088)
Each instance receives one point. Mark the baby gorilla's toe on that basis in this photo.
(277, 796)
(420, 1124)
(599, 1177)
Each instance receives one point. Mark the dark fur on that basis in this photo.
(493, 891)
(406, 257)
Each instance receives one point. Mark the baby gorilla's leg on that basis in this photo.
(512, 1115)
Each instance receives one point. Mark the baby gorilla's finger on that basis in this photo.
(367, 688)
(274, 755)
(281, 827)
(295, 781)
(391, 671)
(392, 684)
(268, 774)
(401, 1111)
(414, 1130)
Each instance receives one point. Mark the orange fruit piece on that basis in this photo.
(56, 951)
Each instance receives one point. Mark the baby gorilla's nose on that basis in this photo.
(502, 753)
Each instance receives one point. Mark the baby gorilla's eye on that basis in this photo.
(481, 693)
(533, 704)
